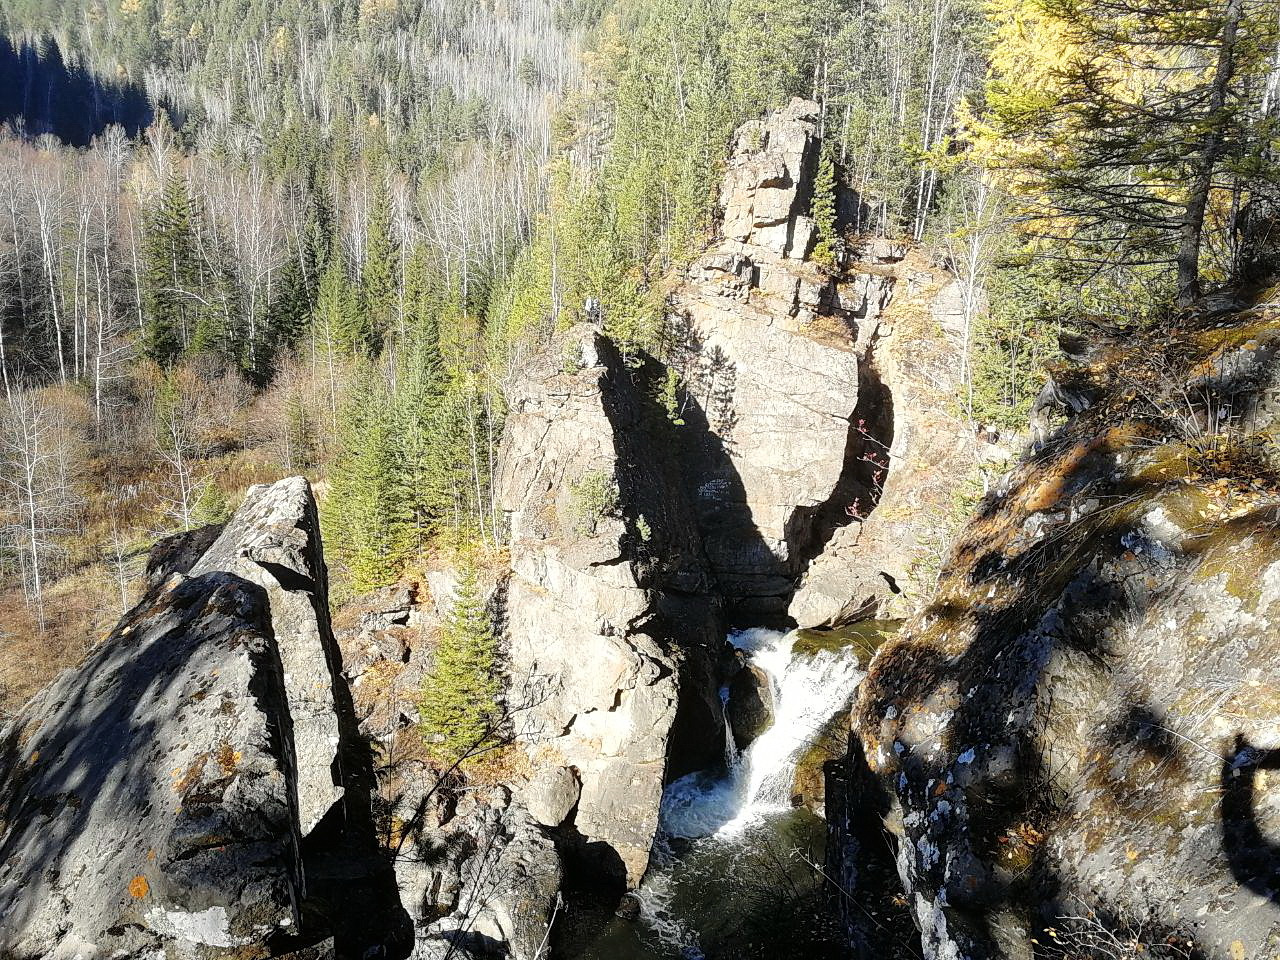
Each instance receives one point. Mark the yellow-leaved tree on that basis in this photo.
(1132, 132)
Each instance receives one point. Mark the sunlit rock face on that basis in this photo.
(608, 603)
(767, 345)
(184, 791)
(1076, 738)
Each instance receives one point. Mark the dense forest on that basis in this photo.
(245, 237)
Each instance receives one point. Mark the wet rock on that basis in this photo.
(148, 795)
(750, 705)
(629, 908)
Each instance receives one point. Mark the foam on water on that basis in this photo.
(807, 691)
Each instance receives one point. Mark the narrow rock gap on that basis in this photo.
(863, 476)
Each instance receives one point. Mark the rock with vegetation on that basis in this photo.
(915, 462)
(1073, 739)
(148, 796)
(599, 641)
(767, 347)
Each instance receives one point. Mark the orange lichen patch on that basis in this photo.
(228, 758)
(1223, 340)
(1046, 494)
(138, 887)
(151, 854)
(184, 781)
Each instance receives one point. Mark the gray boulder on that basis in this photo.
(147, 797)
(750, 705)
(273, 540)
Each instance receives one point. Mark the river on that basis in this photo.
(737, 871)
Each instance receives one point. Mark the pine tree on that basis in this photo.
(379, 290)
(459, 696)
(1123, 125)
(365, 521)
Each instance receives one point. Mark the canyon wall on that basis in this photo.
(1072, 743)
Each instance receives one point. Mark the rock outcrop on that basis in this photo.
(273, 541)
(915, 459)
(183, 792)
(602, 566)
(1074, 739)
(147, 797)
(768, 348)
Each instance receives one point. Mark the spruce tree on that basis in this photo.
(379, 289)
(824, 211)
(171, 274)
(365, 521)
(335, 323)
(459, 696)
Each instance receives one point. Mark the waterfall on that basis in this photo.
(808, 690)
(730, 746)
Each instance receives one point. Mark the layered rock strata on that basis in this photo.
(600, 562)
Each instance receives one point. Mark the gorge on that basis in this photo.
(756, 705)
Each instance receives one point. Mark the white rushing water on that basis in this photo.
(808, 690)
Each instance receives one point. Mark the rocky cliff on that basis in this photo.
(767, 345)
(608, 602)
(640, 518)
(1073, 742)
(199, 788)
(820, 400)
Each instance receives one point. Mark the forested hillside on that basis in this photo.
(325, 195)
(345, 224)
(726, 479)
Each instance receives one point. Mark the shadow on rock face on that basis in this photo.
(1053, 731)
(1254, 859)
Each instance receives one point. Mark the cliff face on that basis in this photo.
(159, 796)
(768, 349)
(633, 527)
(914, 458)
(604, 577)
(1074, 739)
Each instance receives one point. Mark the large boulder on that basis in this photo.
(147, 798)
(173, 794)
(750, 706)
(273, 540)
(1073, 741)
